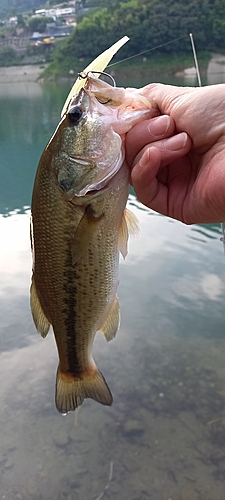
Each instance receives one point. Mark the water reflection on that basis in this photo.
(205, 231)
(27, 121)
(216, 70)
(164, 435)
(165, 369)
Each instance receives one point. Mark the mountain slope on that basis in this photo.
(11, 7)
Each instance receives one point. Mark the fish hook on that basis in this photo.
(85, 75)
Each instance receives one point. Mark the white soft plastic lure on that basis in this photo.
(99, 64)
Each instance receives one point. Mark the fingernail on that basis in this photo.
(176, 142)
(144, 160)
(159, 126)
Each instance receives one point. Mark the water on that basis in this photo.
(164, 436)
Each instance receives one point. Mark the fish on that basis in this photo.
(79, 225)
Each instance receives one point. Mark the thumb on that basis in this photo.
(171, 100)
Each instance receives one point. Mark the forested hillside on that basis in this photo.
(149, 23)
(10, 7)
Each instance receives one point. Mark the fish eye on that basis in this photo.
(75, 114)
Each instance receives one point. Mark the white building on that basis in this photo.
(67, 11)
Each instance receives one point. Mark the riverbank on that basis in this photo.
(173, 65)
(27, 73)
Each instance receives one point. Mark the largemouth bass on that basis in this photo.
(78, 226)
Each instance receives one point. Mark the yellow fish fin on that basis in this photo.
(99, 64)
(41, 322)
(84, 232)
(129, 226)
(71, 391)
(132, 223)
(111, 324)
(123, 236)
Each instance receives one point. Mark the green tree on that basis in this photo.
(218, 23)
(38, 23)
(149, 24)
(20, 21)
(8, 57)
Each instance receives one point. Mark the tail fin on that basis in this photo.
(71, 392)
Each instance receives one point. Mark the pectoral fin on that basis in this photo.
(129, 226)
(41, 322)
(84, 233)
(111, 325)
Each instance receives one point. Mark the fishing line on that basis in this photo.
(148, 50)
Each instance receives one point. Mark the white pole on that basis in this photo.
(196, 60)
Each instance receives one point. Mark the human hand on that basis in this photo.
(182, 176)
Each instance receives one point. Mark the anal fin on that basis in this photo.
(41, 322)
(111, 324)
(71, 391)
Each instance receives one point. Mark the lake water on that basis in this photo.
(164, 436)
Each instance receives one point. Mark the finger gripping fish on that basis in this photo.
(78, 226)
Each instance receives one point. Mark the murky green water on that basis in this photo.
(164, 436)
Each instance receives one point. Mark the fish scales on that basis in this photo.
(92, 280)
(78, 226)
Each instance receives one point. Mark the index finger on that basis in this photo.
(146, 132)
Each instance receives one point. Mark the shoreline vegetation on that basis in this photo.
(162, 35)
(153, 66)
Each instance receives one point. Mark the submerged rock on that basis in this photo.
(62, 438)
(9, 463)
(189, 495)
(133, 428)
